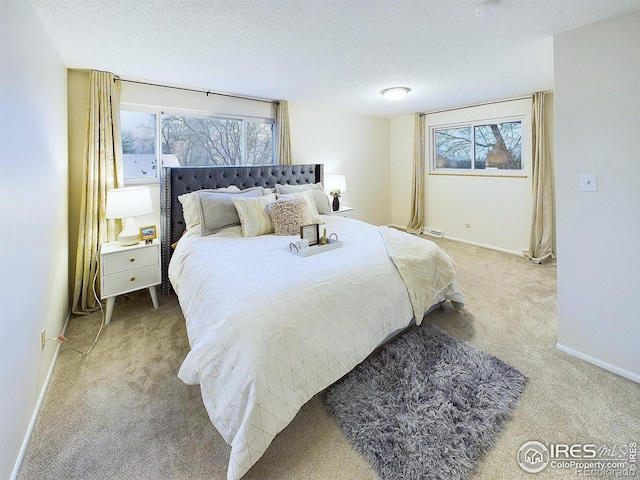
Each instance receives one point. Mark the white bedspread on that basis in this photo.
(269, 329)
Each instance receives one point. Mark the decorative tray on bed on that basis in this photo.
(312, 250)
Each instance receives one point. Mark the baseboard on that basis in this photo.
(490, 247)
(397, 227)
(599, 363)
(34, 417)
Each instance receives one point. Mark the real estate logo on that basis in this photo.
(585, 459)
(533, 457)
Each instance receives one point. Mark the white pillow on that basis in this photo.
(254, 216)
(320, 199)
(311, 206)
(189, 202)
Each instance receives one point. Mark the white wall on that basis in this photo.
(356, 146)
(401, 168)
(497, 209)
(34, 292)
(597, 90)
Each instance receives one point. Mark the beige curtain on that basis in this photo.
(416, 224)
(284, 140)
(102, 171)
(541, 236)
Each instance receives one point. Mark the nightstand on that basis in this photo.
(346, 212)
(127, 269)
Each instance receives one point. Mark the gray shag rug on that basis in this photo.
(425, 406)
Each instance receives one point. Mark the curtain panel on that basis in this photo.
(416, 224)
(102, 171)
(541, 236)
(284, 140)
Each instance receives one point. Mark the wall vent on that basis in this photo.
(435, 233)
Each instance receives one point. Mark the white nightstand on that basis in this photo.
(126, 269)
(344, 212)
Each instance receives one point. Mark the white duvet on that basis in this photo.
(269, 329)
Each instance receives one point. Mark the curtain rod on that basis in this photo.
(196, 90)
(482, 104)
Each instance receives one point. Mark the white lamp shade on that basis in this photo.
(335, 182)
(129, 202)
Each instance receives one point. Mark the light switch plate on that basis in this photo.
(588, 182)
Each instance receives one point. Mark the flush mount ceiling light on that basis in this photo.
(486, 8)
(396, 93)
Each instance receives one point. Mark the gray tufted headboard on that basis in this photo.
(179, 180)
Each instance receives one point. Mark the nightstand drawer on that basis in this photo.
(126, 260)
(130, 280)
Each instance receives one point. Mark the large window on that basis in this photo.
(192, 140)
(493, 146)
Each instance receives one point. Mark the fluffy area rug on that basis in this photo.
(426, 406)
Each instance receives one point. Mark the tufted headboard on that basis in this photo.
(179, 180)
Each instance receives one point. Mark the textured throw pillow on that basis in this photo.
(254, 216)
(307, 196)
(189, 204)
(320, 199)
(217, 211)
(288, 216)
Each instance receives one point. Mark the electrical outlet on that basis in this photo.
(43, 338)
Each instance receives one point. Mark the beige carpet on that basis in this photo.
(121, 412)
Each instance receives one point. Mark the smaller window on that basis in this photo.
(481, 147)
(138, 132)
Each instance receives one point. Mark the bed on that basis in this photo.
(269, 329)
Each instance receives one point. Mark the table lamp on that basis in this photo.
(126, 203)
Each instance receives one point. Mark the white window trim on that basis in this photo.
(430, 148)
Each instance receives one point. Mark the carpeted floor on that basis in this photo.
(121, 412)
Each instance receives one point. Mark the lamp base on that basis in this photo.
(128, 240)
(130, 234)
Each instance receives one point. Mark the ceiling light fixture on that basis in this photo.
(396, 93)
(486, 8)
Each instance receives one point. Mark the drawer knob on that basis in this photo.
(132, 260)
(133, 279)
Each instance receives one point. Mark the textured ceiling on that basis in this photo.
(333, 53)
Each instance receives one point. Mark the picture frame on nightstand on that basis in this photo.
(148, 233)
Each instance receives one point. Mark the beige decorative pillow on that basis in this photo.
(307, 195)
(254, 217)
(288, 216)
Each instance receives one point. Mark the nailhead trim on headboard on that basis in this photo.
(179, 180)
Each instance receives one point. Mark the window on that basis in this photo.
(493, 146)
(138, 132)
(192, 140)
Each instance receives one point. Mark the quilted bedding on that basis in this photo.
(268, 329)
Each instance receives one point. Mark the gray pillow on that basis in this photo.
(320, 198)
(217, 210)
(190, 208)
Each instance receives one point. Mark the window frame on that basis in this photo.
(491, 172)
(159, 111)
